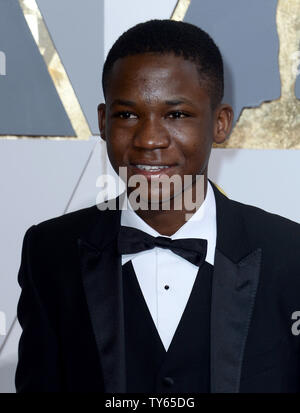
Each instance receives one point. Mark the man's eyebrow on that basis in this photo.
(122, 102)
(178, 101)
(170, 102)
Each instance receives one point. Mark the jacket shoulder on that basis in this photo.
(265, 225)
(81, 218)
(78, 218)
(61, 232)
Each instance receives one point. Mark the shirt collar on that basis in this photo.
(202, 224)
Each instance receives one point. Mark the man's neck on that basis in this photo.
(167, 222)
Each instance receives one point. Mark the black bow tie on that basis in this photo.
(132, 240)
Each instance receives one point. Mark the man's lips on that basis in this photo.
(136, 170)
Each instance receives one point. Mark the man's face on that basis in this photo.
(158, 113)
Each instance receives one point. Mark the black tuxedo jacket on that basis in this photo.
(71, 308)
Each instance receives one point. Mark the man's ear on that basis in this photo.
(101, 119)
(223, 122)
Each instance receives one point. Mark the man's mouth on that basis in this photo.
(150, 170)
(151, 167)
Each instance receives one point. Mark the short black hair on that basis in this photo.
(180, 38)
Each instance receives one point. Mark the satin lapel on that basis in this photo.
(102, 281)
(233, 297)
(235, 281)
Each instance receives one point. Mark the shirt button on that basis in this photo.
(168, 381)
(166, 287)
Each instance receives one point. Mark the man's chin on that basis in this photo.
(156, 201)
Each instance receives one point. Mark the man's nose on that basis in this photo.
(151, 134)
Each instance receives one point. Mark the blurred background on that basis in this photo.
(51, 58)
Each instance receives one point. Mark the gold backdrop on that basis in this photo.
(274, 124)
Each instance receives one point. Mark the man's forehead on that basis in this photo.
(162, 63)
(154, 77)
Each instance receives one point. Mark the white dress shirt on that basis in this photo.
(166, 279)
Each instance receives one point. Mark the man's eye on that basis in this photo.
(125, 115)
(178, 115)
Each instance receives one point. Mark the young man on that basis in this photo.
(146, 300)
